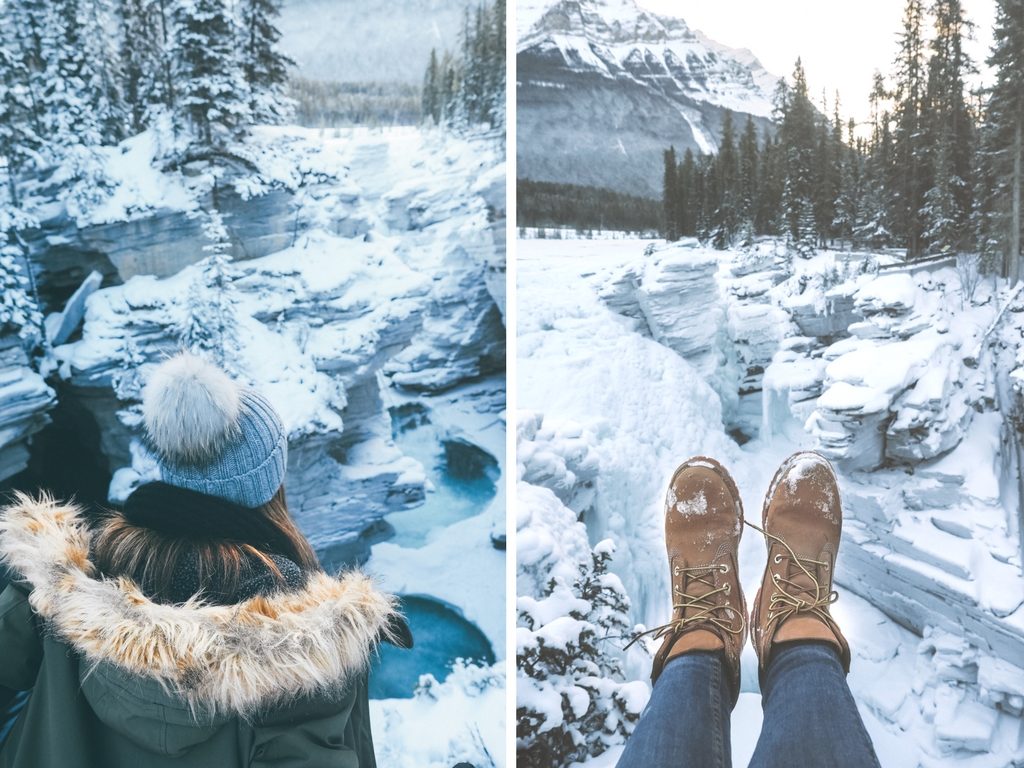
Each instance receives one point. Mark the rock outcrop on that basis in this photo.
(373, 277)
(25, 402)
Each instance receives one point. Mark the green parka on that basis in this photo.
(120, 681)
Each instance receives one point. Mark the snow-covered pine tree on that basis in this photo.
(828, 172)
(28, 39)
(497, 70)
(1004, 139)
(430, 100)
(749, 170)
(950, 133)
(874, 229)
(19, 311)
(566, 671)
(210, 324)
(799, 138)
(19, 143)
(669, 198)
(849, 206)
(725, 221)
(143, 59)
(909, 171)
(686, 214)
(81, 97)
(212, 97)
(264, 65)
(771, 188)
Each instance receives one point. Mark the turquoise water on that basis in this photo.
(463, 478)
(441, 636)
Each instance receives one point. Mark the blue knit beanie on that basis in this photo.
(212, 435)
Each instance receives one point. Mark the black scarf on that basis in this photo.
(185, 514)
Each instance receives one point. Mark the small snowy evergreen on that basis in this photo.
(572, 702)
(18, 309)
(210, 324)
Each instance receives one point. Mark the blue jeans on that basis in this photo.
(810, 718)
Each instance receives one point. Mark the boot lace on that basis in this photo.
(704, 609)
(790, 597)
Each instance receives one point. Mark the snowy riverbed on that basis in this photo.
(636, 362)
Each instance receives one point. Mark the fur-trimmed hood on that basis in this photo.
(217, 660)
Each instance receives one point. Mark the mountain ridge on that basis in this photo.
(604, 87)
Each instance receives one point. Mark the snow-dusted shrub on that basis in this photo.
(572, 701)
(210, 325)
(968, 269)
(18, 309)
(457, 721)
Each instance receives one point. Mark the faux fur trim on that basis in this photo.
(190, 408)
(238, 659)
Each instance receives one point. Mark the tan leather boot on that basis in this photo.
(703, 525)
(802, 523)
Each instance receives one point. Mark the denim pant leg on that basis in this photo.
(810, 717)
(686, 722)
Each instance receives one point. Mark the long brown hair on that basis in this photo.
(152, 558)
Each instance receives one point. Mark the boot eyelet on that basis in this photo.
(724, 567)
(778, 558)
(827, 566)
(775, 577)
(728, 588)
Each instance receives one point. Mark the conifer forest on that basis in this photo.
(937, 170)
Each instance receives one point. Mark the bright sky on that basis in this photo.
(842, 43)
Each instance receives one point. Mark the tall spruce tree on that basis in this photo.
(670, 196)
(28, 36)
(686, 199)
(949, 131)
(141, 54)
(212, 95)
(909, 172)
(264, 65)
(81, 98)
(749, 187)
(19, 143)
(799, 137)
(725, 221)
(1004, 137)
(430, 100)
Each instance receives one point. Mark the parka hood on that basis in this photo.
(209, 661)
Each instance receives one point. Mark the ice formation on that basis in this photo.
(907, 387)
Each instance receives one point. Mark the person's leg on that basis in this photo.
(696, 669)
(686, 722)
(810, 717)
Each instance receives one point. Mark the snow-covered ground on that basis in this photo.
(631, 363)
(372, 300)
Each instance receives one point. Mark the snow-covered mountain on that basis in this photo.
(604, 87)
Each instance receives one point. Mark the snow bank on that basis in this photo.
(459, 720)
(886, 370)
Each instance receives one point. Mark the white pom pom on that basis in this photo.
(190, 408)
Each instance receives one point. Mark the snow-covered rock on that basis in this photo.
(911, 390)
(25, 402)
(323, 319)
